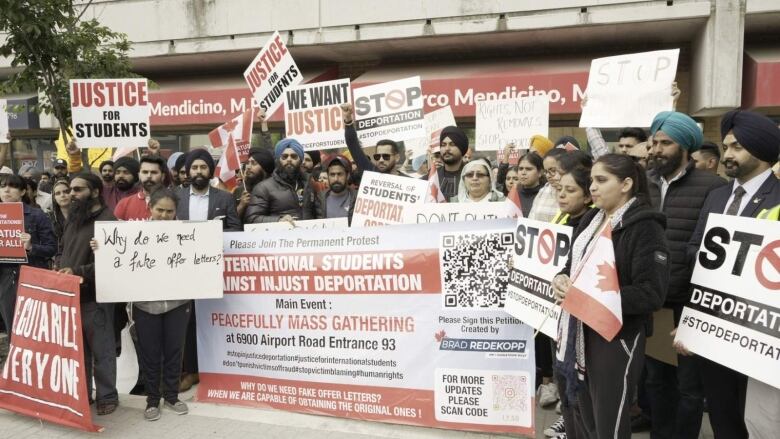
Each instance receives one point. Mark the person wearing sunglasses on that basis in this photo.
(477, 184)
(387, 156)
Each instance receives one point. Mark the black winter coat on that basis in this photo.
(642, 260)
(273, 198)
(682, 206)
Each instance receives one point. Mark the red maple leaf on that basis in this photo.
(608, 278)
(230, 126)
(440, 335)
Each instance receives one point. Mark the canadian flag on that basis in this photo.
(594, 295)
(514, 205)
(434, 187)
(228, 164)
(240, 127)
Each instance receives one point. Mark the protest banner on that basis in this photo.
(382, 198)
(629, 90)
(503, 121)
(138, 261)
(110, 112)
(351, 323)
(271, 73)
(450, 212)
(313, 116)
(733, 316)
(4, 125)
(390, 110)
(540, 252)
(11, 229)
(43, 376)
(435, 121)
(325, 223)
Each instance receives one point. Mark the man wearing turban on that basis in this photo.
(678, 189)
(751, 144)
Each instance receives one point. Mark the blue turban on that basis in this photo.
(680, 127)
(288, 143)
(758, 134)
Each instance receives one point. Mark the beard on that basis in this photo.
(386, 168)
(107, 178)
(123, 184)
(734, 169)
(199, 182)
(79, 211)
(151, 186)
(337, 187)
(289, 173)
(252, 179)
(667, 165)
(450, 159)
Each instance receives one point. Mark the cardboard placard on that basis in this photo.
(504, 121)
(390, 110)
(629, 90)
(451, 212)
(271, 73)
(139, 261)
(382, 198)
(312, 114)
(110, 112)
(11, 229)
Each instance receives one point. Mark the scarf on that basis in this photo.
(570, 351)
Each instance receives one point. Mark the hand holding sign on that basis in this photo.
(153, 147)
(347, 113)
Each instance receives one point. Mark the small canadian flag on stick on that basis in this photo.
(594, 295)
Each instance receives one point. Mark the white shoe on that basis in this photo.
(556, 429)
(558, 408)
(548, 394)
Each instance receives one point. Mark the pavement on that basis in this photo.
(207, 420)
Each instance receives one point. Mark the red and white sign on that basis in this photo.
(383, 198)
(229, 165)
(43, 376)
(733, 316)
(594, 296)
(390, 110)
(271, 73)
(312, 115)
(357, 330)
(111, 112)
(11, 229)
(240, 128)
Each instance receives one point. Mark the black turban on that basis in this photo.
(130, 164)
(264, 158)
(457, 136)
(200, 154)
(755, 132)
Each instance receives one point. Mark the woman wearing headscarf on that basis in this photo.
(477, 184)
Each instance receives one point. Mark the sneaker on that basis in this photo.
(555, 429)
(152, 413)
(558, 408)
(548, 394)
(560, 436)
(177, 407)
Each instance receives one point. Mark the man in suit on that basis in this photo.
(201, 202)
(751, 145)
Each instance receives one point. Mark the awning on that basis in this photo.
(460, 84)
(212, 100)
(760, 87)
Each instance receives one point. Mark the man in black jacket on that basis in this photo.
(280, 198)
(387, 156)
(678, 189)
(97, 319)
(751, 144)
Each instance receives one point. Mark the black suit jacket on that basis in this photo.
(767, 197)
(221, 204)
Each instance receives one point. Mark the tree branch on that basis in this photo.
(82, 12)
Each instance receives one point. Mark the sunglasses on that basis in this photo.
(476, 174)
(385, 157)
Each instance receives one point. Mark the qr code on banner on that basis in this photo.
(510, 394)
(475, 268)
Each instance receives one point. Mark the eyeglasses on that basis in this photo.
(476, 175)
(385, 157)
(551, 171)
(288, 156)
(78, 189)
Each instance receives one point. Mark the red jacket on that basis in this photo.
(133, 208)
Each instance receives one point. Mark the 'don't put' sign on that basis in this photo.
(111, 112)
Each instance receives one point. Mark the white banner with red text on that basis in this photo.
(355, 323)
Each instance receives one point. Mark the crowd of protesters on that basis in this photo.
(655, 190)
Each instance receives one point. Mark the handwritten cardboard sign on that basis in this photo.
(629, 90)
(139, 261)
(110, 112)
(504, 121)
